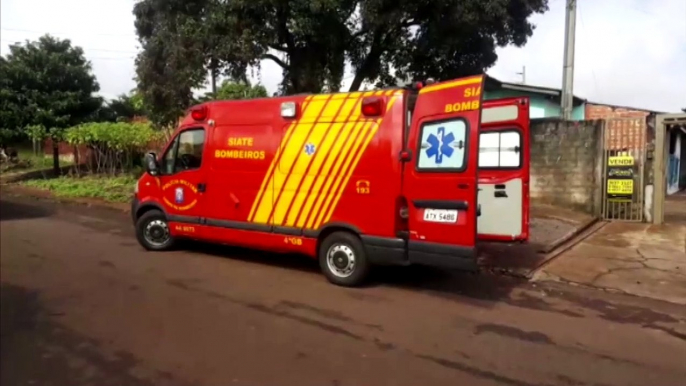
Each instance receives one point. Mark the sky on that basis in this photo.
(628, 52)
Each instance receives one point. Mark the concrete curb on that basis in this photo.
(568, 236)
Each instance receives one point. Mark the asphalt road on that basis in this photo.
(83, 304)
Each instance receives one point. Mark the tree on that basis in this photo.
(231, 90)
(11, 114)
(126, 106)
(50, 84)
(312, 40)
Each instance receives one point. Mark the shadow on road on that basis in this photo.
(485, 288)
(445, 283)
(12, 210)
(288, 261)
(38, 350)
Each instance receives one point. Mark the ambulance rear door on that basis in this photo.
(440, 173)
(504, 170)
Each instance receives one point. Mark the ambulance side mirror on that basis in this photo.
(151, 165)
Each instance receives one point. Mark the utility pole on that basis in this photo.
(523, 74)
(568, 70)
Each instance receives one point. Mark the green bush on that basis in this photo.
(116, 147)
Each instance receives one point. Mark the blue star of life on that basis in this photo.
(440, 146)
(309, 148)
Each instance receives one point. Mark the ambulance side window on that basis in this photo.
(167, 166)
(185, 153)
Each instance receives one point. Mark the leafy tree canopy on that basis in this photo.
(229, 90)
(126, 107)
(313, 40)
(46, 83)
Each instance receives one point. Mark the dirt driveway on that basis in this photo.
(83, 304)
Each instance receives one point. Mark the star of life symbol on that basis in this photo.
(178, 195)
(441, 145)
(309, 148)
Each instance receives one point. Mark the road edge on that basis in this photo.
(18, 190)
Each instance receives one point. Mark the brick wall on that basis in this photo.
(566, 164)
(626, 127)
(67, 152)
(596, 111)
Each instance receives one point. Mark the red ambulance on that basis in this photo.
(400, 176)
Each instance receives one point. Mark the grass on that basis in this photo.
(30, 162)
(109, 188)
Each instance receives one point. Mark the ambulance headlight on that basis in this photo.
(289, 109)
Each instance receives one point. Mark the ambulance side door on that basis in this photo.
(183, 180)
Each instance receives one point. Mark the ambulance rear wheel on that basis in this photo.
(152, 231)
(342, 259)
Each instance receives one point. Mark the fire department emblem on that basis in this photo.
(178, 195)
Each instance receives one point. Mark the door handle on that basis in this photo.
(500, 194)
(235, 200)
(202, 187)
(463, 186)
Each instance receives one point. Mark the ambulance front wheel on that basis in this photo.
(152, 231)
(343, 260)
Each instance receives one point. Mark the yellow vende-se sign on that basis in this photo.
(620, 187)
(623, 160)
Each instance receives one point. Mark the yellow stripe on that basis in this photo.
(325, 175)
(290, 151)
(374, 127)
(354, 126)
(315, 171)
(374, 130)
(335, 168)
(268, 175)
(342, 164)
(300, 163)
(457, 83)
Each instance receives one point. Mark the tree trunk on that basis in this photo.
(55, 157)
(213, 77)
(357, 81)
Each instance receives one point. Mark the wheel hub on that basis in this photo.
(157, 232)
(341, 260)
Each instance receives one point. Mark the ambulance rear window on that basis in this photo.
(443, 146)
(500, 149)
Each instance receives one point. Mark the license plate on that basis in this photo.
(440, 215)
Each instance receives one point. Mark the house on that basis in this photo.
(544, 101)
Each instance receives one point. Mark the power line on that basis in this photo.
(13, 41)
(66, 33)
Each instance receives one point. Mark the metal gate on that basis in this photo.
(624, 159)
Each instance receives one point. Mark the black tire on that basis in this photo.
(147, 241)
(345, 243)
